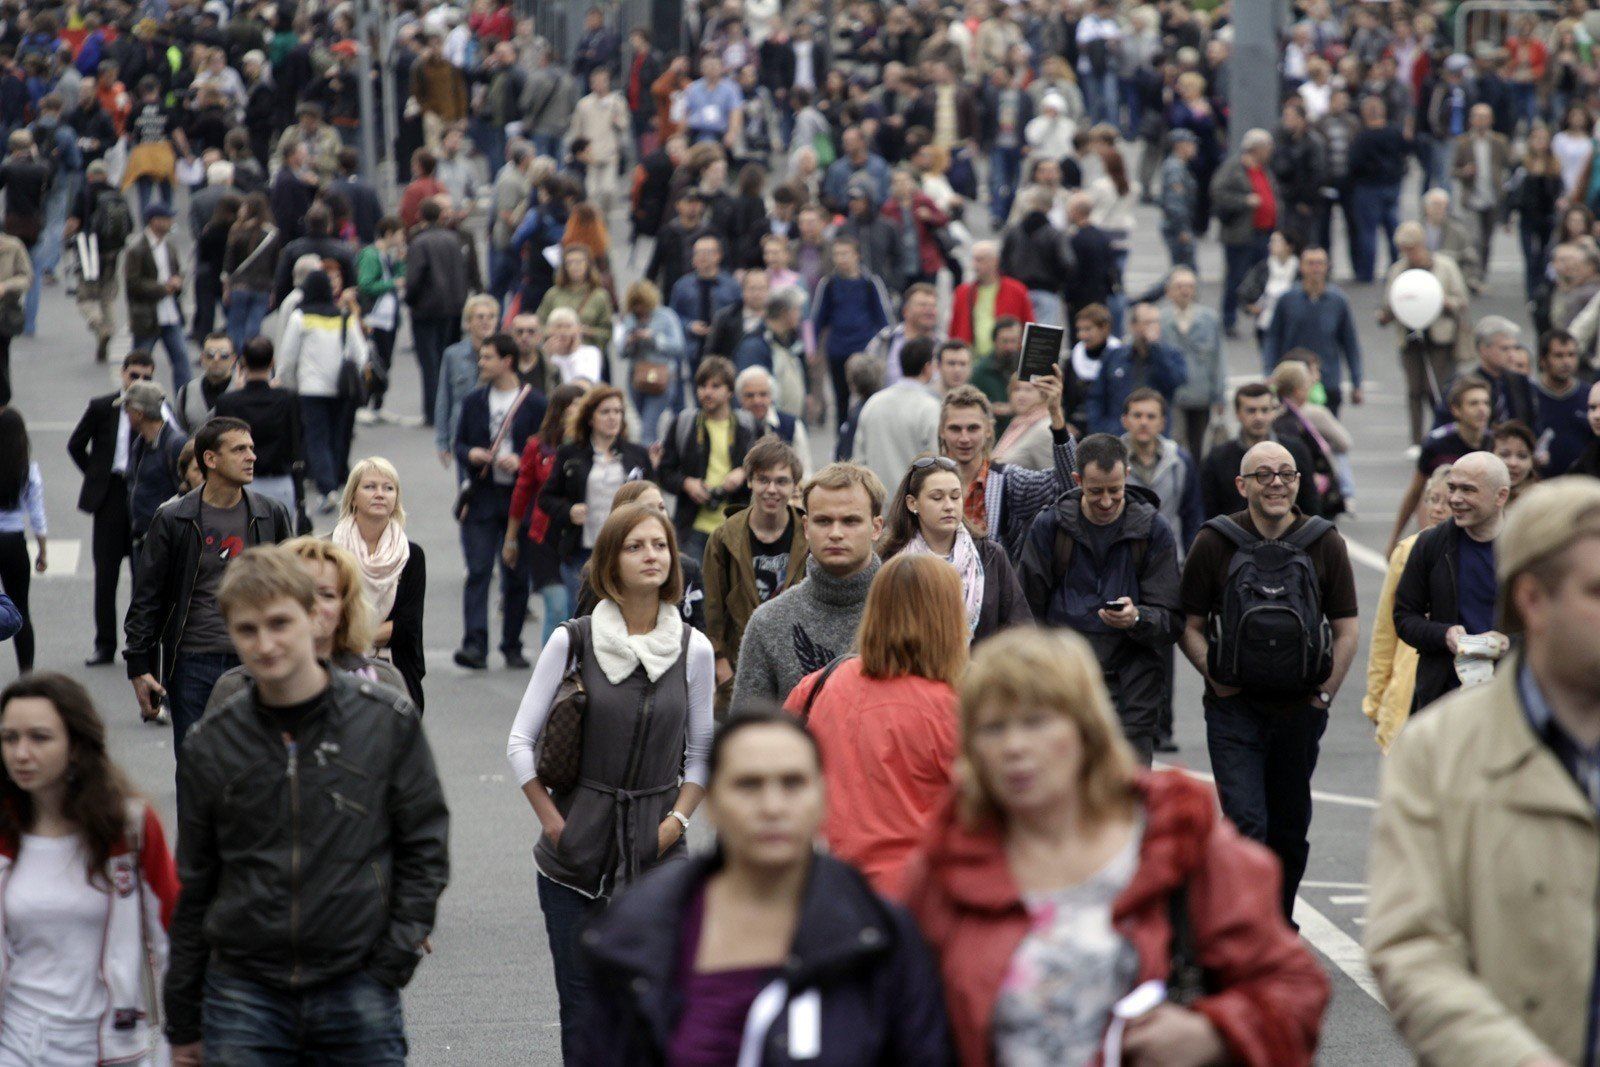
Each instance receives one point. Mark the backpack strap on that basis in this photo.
(1225, 526)
(1063, 552)
(816, 690)
(1309, 533)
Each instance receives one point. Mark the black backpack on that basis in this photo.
(1271, 636)
(111, 221)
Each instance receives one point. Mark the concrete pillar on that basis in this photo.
(1253, 70)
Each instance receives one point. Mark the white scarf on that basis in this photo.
(620, 653)
(380, 568)
(964, 558)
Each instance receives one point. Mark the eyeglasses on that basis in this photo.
(1265, 478)
(140, 377)
(944, 463)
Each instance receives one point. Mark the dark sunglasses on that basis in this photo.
(944, 463)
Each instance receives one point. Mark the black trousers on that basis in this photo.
(5, 370)
(16, 574)
(112, 542)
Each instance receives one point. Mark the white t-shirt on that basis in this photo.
(500, 401)
(584, 362)
(55, 922)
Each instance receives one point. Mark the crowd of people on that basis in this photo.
(817, 552)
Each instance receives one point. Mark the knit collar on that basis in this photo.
(848, 592)
(620, 653)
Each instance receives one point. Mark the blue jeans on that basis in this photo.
(565, 913)
(355, 1020)
(1263, 759)
(30, 303)
(47, 255)
(480, 547)
(1100, 97)
(1179, 251)
(1237, 260)
(177, 345)
(572, 575)
(1047, 307)
(194, 675)
(1374, 206)
(147, 189)
(325, 429)
(1005, 171)
(504, 273)
(557, 609)
(246, 309)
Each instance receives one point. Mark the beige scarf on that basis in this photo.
(380, 568)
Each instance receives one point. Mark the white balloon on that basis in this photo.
(1416, 298)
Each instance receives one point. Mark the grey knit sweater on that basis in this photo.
(800, 631)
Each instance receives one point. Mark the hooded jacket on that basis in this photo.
(1176, 483)
(1037, 254)
(1266, 992)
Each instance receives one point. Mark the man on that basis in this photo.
(712, 105)
(1255, 407)
(856, 163)
(672, 256)
(702, 458)
(1339, 128)
(882, 240)
(1158, 463)
(1178, 197)
(153, 281)
(1040, 256)
(999, 499)
(436, 291)
(513, 186)
(1196, 332)
(317, 240)
(993, 373)
(320, 140)
(1244, 197)
(1495, 339)
(1300, 165)
(439, 91)
(699, 296)
(802, 630)
(497, 418)
(1446, 233)
(977, 304)
(954, 366)
(1428, 357)
(1142, 363)
(779, 349)
(100, 446)
(102, 225)
(1317, 315)
(731, 325)
(196, 401)
(848, 309)
(1577, 278)
(460, 373)
(155, 442)
(1106, 543)
(755, 388)
(273, 415)
(1471, 412)
(174, 623)
(1480, 927)
(424, 186)
(1095, 277)
(1264, 742)
(26, 181)
(1377, 168)
(293, 191)
(277, 950)
(901, 422)
(758, 553)
(601, 118)
(1480, 159)
(598, 47)
(919, 317)
(366, 209)
(1561, 398)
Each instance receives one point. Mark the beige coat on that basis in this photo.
(1446, 329)
(1391, 663)
(1484, 869)
(16, 270)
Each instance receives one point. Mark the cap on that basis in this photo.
(157, 210)
(344, 48)
(1548, 518)
(1183, 137)
(146, 397)
(1457, 64)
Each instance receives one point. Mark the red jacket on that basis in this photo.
(1271, 992)
(534, 471)
(1012, 299)
(928, 220)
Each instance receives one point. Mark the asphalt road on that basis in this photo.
(486, 995)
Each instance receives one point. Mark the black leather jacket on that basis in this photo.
(305, 860)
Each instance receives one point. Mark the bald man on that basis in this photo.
(1448, 588)
(1264, 745)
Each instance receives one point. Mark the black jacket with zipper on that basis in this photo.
(568, 485)
(881, 1000)
(305, 860)
(168, 565)
(1426, 605)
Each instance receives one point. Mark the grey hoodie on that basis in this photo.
(800, 631)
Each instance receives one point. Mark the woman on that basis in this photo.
(393, 568)
(747, 214)
(528, 525)
(650, 682)
(587, 230)
(16, 279)
(652, 355)
(21, 509)
(693, 958)
(919, 220)
(1048, 885)
(578, 287)
(341, 620)
(1318, 428)
(380, 283)
(1572, 147)
(1027, 441)
(89, 887)
(1193, 112)
(1265, 283)
(926, 515)
(885, 720)
(567, 358)
(1515, 444)
(1114, 198)
(319, 338)
(247, 269)
(693, 605)
(588, 471)
(1391, 663)
(210, 257)
(1536, 194)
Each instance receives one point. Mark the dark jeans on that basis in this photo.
(325, 426)
(480, 546)
(112, 543)
(565, 913)
(16, 574)
(5, 370)
(194, 675)
(207, 296)
(172, 339)
(383, 355)
(432, 336)
(1238, 260)
(1535, 244)
(1373, 206)
(355, 1020)
(1263, 759)
(1005, 172)
(841, 389)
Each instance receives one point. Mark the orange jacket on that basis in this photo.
(887, 747)
(1269, 991)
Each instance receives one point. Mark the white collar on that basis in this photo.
(620, 653)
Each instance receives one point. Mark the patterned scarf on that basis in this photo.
(964, 558)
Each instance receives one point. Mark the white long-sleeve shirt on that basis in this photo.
(310, 355)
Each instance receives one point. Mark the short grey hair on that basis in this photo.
(1254, 139)
(1493, 327)
(219, 173)
(783, 301)
(750, 374)
(304, 266)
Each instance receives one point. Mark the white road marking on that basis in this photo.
(1342, 950)
(61, 559)
(1332, 885)
(1366, 556)
(1316, 794)
(1345, 900)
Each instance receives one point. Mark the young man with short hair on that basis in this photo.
(954, 366)
(177, 641)
(848, 309)
(1158, 463)
(312, 847)
(758, 553)
(807, 627)
(1256, 407)
(273, 414)
(1471, 405)
(702, 459)
(1560, 394)
(197, 400)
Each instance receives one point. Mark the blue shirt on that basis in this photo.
(1323, 324)
(710, 109)
(1582, 763)
(1475, 585)
(852, 310)
(29, 511)
(1564, 420)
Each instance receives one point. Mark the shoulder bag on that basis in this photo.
(561, 742)
(816, 690)
(469, 486)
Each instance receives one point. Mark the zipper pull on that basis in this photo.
(293, 749)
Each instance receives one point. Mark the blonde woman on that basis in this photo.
(393, 568)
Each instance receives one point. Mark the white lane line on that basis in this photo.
(51, 427)
(1316, 794)
(1304, 884)
(61, 556)
(1345, 900)
(1366, 556)
(1342, 950)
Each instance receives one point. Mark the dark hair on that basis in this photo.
(715, 368)
(389, 224)
(208, 438)
(748, 716)
(752, 176)
(425, 161)
(1514, 430)
(554, 427)
(952, 346)
(1465, 385)
(257, 354)
(97, 791)
(1103, 450)
(139, 357)
(770, 452)
(1004, 322)
(1551, 337)
(580, 419)
(1094, 314)
(1141, 395)
(503, 344)
(431, 211)
(14, 457)
(901, 524)
(1249, 391)
(915, 355)
(349, 160)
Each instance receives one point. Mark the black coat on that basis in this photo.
(93, 447)
(1037, 254)
(1094, 277)
(684, 455)
(436, 274)
(569, 481)
(1004, 603)
(881, 998)
(341, 252)
(1425, 607)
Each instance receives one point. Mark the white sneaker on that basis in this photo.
(366, 416)
(330, 503)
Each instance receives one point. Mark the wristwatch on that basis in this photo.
(1324, 698)
(683, 819)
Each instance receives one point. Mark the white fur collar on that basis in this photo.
(620, 653)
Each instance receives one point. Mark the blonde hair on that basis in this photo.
(1058, 671)
(355, 630)
(347, 501)
(915, 621)
(474, 303)
(642, 299)
(1290, 378)
(261, 575)
(838, 476)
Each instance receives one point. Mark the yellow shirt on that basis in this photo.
(719, 464)
(983, 320)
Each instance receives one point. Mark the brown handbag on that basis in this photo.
(650, 377)
(561, 742)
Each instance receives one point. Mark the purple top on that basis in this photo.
(715, 1003)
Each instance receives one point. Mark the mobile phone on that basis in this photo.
(1112, 605)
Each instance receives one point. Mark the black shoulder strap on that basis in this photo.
(1225, 526)
(1309, 533)
(816, 690)
(1063, 553)
(1186, 982)
(575, 644)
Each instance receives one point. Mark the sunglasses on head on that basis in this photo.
(942, 462)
